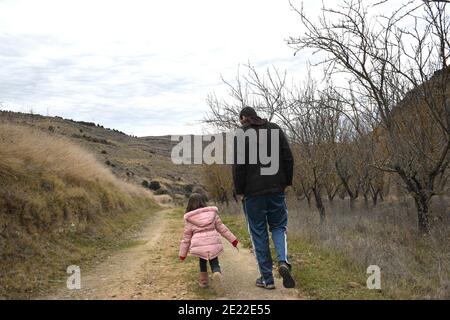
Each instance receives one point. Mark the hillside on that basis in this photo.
(132, 159)
(58, 206)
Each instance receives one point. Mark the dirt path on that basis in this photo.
(150, 270)
(240, 272)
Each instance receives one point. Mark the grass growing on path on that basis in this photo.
(320, 274)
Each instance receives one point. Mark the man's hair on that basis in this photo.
(247, 112)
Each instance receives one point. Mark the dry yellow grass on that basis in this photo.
(413, 267)
(23, 149)
(58, 205)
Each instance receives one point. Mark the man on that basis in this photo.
(263, 194)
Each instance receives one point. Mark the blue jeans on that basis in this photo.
(260, 211)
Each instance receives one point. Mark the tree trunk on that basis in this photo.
(423, 205)
(319, 205)
(308, 198)
(375, 199)
(330, 198)
(352, 203)
(366, 201)
(331, 201)
(422, 198)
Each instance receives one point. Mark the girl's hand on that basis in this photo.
(182, 258)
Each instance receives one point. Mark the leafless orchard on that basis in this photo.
(379, 113)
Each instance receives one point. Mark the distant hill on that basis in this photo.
(136, 160)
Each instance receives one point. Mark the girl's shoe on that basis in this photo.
(218, 283)
(203, 281)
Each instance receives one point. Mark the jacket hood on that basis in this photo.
(202, 216)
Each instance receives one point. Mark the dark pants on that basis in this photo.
(214, 263)
(262, 211)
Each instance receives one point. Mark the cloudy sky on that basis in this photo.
(143, 67)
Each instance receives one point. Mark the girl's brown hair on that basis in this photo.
(196, 201)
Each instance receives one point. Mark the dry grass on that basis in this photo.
(131, 159)
(330, 260)
(412, 267)
(58, 205)
(25, 151)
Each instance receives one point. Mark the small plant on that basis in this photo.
(161, 191)
(154, 185)
(188, 188)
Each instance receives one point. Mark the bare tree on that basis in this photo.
(347, 170)
(390, 70)
(324, 141)
(314, 131)
(219, 182)
(265, 93)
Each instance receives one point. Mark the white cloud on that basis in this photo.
(144, 67)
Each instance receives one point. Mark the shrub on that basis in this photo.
(188, 189)
(162, 191)
(155, 185)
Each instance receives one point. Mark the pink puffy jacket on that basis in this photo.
(202, 230)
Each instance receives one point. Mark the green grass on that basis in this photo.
(320, 273)
(323, 274)
(132, 243)
(238, 225)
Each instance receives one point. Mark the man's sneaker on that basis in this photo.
(262, 284)
(285, 272)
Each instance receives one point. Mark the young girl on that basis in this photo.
(202, 230)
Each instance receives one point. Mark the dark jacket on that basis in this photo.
(247, 178)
